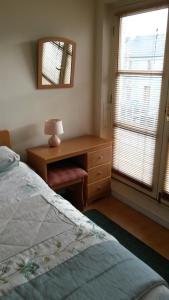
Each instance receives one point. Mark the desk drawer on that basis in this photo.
(99, 173)
(99, 157)
(98, 189)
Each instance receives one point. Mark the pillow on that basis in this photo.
(8, 159)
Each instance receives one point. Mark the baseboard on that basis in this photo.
(142, 203)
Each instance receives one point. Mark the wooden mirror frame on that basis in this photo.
(39, 67)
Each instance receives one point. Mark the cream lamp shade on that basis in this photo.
(54, 127)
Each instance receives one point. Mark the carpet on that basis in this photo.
(157, 262)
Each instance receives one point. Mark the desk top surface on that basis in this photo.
(71, 147)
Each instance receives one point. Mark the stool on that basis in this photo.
(68, 176)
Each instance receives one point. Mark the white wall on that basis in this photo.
(103, 71)
(23, 108)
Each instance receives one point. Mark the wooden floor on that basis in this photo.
(151, 233)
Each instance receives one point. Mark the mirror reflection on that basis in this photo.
(56, 62)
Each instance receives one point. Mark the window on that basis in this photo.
(139, 77)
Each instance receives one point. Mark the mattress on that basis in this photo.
(43, 238)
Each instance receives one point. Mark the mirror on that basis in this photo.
(56, 57)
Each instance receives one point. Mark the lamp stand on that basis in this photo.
(54, 141)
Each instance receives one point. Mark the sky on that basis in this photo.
(145, 23)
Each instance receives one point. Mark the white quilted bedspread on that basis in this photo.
(38, 227)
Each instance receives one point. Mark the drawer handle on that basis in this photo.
(99, 173)
(100, 157)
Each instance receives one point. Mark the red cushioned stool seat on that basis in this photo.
(64, 175)
(68, 175)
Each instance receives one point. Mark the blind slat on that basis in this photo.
(135, 129)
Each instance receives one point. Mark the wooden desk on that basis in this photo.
(92, 153)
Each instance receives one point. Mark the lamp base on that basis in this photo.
(54, 141)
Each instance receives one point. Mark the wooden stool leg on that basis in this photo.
(78, 199)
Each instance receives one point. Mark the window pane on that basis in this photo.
(137, 101)
(166, 181)
(142, 41)
(134, 155)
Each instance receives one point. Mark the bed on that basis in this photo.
(49, 250)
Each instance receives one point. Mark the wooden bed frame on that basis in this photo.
(5, 139)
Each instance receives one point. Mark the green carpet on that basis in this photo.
(141, 250)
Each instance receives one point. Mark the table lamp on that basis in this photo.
(54, 128)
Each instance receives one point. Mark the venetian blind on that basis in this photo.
(137, 93)
(166, 180)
